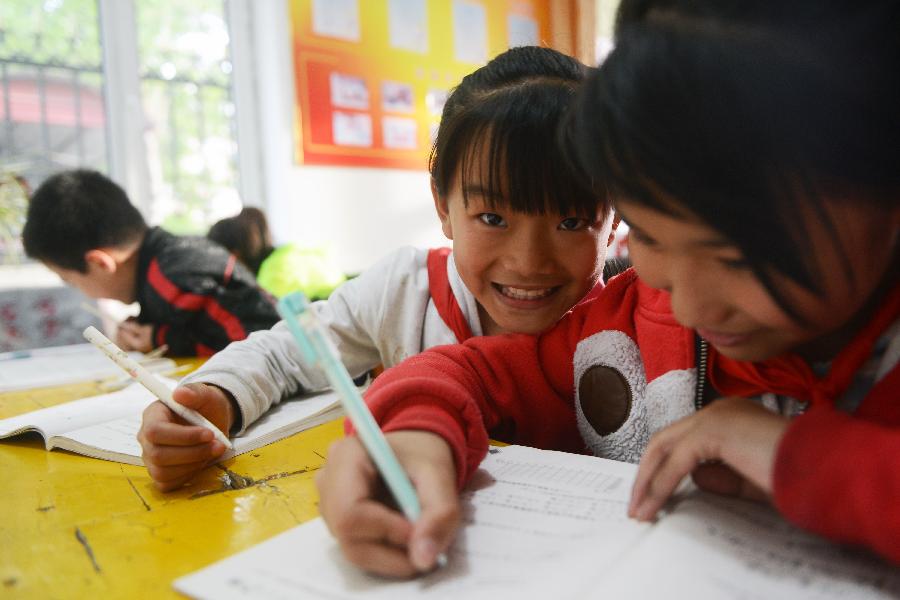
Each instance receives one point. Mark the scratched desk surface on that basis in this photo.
(79, 527)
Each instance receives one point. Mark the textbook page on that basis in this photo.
(528, 515)
(72, 416)
(711, 547)
(103, 426)
(287, 418)
(106, 426)
(45, 367)
(550, 525)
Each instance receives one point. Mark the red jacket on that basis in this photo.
(835, 474)
(839, 475)
(522, 388)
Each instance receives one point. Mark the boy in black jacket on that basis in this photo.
(194, 296)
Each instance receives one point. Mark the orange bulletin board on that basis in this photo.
(372, 76)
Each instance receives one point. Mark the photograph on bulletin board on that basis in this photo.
(372, 76)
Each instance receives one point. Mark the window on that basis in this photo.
(70, 71)
(185, 72)
(52, 110)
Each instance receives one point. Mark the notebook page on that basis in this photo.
(725, 548)
(288, 416)
(113, 440)
(78, 414)
(47, 367)
(107, 426)
(528, 515)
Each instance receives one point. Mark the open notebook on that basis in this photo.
(106, 426)
(544, 525)
(60, 365)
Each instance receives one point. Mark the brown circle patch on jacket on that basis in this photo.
(605, 398)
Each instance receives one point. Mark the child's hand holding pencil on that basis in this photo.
(191, 429)
(356, 507)
(174, 450)
(416, 467)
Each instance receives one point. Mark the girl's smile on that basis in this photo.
(524, 297)
(526, 271)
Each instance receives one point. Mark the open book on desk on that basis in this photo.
(550, 525)
(106, 426)
(61, 365)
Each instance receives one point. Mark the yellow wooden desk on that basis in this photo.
(79, 527)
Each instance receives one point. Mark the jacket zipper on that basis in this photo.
(702, 357)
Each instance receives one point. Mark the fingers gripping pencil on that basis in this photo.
(152, 383)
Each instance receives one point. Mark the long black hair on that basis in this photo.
(747, 115)
(511, 108)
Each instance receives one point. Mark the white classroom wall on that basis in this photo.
(362, 213)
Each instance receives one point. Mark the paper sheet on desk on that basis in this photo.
(549, 525)
(710, 547)
(45, 367)
(525, 512)
(103, 426)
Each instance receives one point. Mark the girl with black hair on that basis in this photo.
(752, 146)
(529, 241)
(753, 150)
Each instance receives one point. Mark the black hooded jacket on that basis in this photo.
(196, 295)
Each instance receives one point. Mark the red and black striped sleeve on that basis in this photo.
(200, 304)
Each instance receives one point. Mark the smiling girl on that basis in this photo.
(529, 242)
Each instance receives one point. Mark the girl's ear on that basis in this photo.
(101, 259)
(612, 230)
(443, 210)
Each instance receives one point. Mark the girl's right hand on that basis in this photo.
(174, 450)
(374, 536)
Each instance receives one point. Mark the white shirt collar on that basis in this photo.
(464, 297)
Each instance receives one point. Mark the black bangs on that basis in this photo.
(498, 133)
(506, 146)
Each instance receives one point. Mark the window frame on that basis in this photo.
(124, 111)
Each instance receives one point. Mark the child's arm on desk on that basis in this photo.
(173, 451)
(374, 536)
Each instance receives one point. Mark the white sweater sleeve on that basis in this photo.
(361, 316)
